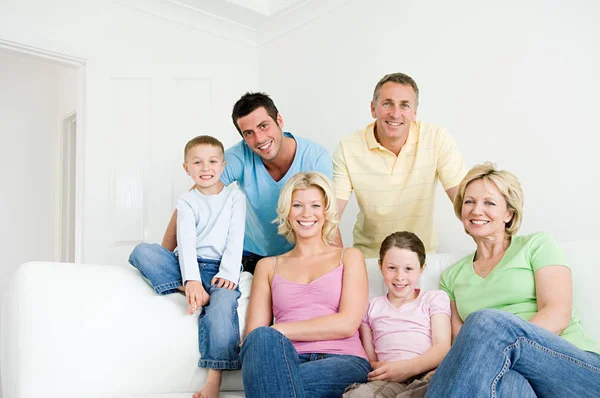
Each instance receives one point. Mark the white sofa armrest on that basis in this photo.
(74, 330)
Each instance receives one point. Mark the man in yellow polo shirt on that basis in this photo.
(393, 165)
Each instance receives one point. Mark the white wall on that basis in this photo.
(514, 82)
(68, 89)
(151, 84)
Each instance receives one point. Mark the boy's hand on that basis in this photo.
(224, 283)
(196, 295)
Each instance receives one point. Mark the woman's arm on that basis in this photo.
(260, 310)
(554, 293)
(366, 337)
(169, 240)
(399, 371)
(455, 320)
(343, 324)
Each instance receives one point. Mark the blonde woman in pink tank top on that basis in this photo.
(316, 294)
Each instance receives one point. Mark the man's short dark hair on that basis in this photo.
(249, 103)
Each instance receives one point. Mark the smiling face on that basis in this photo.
(401, 270)
(307, 214)
(484, 210)
(205, 164)
(395, 110)
(262, 134)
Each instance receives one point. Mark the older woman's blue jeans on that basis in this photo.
(272, 368)
(497, 354)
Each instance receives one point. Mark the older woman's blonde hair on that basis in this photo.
(303, 181)
(508, 185)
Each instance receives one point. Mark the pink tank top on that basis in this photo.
(294, 302)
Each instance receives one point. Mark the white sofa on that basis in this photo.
(87, 331)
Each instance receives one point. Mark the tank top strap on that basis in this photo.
(275, 264)
(342, 255)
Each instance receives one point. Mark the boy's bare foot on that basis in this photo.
(212, 386)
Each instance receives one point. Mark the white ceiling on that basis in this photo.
(251, 14)
(251, 22)
(265, 7)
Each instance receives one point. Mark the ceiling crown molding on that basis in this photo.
(295, 17)
(194, 18)
(231, 21)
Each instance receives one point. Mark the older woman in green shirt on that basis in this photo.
(520, 335)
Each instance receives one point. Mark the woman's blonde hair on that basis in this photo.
(303, 181)
(508, 185)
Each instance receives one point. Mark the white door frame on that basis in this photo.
(72, 61)
(65, 203)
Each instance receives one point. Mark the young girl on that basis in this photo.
(405, 333)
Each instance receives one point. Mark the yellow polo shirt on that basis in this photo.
(395, 193)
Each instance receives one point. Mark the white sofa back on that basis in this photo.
(80, 330)
(582, 257)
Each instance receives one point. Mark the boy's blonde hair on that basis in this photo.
(508, 185)
(202, 140)
(303, 181)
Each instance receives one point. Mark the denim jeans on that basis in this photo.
(272, 368)
(497, 354)
(218, 326)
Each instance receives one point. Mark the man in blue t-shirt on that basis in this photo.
(261, 164)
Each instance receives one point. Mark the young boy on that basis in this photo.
(207, 261)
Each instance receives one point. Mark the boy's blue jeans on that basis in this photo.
(218, 326)
(274, 369)
(497, 354)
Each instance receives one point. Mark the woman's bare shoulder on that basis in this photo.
(353, 257)
(264, 266)
(353, 253)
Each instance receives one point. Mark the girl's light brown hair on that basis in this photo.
(403, 240)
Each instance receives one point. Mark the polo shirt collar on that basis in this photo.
(372, 143)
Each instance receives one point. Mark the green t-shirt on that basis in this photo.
(510, 286)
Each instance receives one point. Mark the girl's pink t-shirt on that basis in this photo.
(405, 332)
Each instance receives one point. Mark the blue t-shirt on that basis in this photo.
(262, 191)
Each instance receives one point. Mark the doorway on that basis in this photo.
(43, 118)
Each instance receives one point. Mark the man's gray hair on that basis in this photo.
(399, 78)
